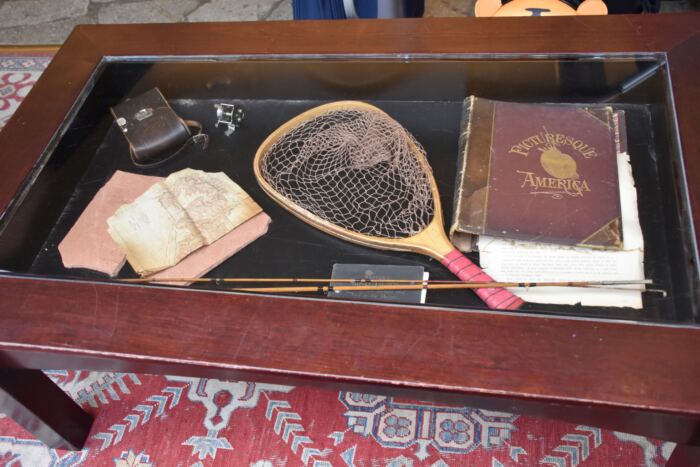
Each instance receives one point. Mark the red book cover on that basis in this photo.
(539, 172)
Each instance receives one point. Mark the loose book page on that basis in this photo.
(507, 260)
(212, 201)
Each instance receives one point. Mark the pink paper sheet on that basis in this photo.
(88, 245)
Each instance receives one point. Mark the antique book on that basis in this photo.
(518, 261)
(537, 172)
(173, 218)
(89, 245)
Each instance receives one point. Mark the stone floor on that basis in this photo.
(50, 21)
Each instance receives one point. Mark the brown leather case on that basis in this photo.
(154, 131)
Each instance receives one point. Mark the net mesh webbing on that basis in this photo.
(356, 169)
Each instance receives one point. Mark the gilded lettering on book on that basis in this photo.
(555, 187)
(561, 167)
(546, 139)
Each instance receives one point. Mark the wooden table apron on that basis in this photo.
(638, 378)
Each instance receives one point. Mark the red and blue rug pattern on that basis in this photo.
(18, 73)
(147, 420)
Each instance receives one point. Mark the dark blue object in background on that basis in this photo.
(336, 9)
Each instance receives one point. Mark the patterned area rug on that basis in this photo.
(18, 73)
(145, 420)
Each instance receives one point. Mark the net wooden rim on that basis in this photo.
(431, 241)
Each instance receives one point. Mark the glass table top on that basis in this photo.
(423, 93)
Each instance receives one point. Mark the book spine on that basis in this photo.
(463, 240)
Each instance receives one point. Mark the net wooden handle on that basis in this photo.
(495, 298)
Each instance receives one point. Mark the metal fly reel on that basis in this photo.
(229, 115)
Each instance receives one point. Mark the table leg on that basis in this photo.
(687, 455)
(684, 456)
(32, 400)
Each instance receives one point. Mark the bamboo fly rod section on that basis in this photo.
(438, 286)
(419, 282)
(300, 280)
(383, 284)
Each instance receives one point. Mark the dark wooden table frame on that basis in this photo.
(637, 378)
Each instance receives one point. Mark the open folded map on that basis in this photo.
(173, 218)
